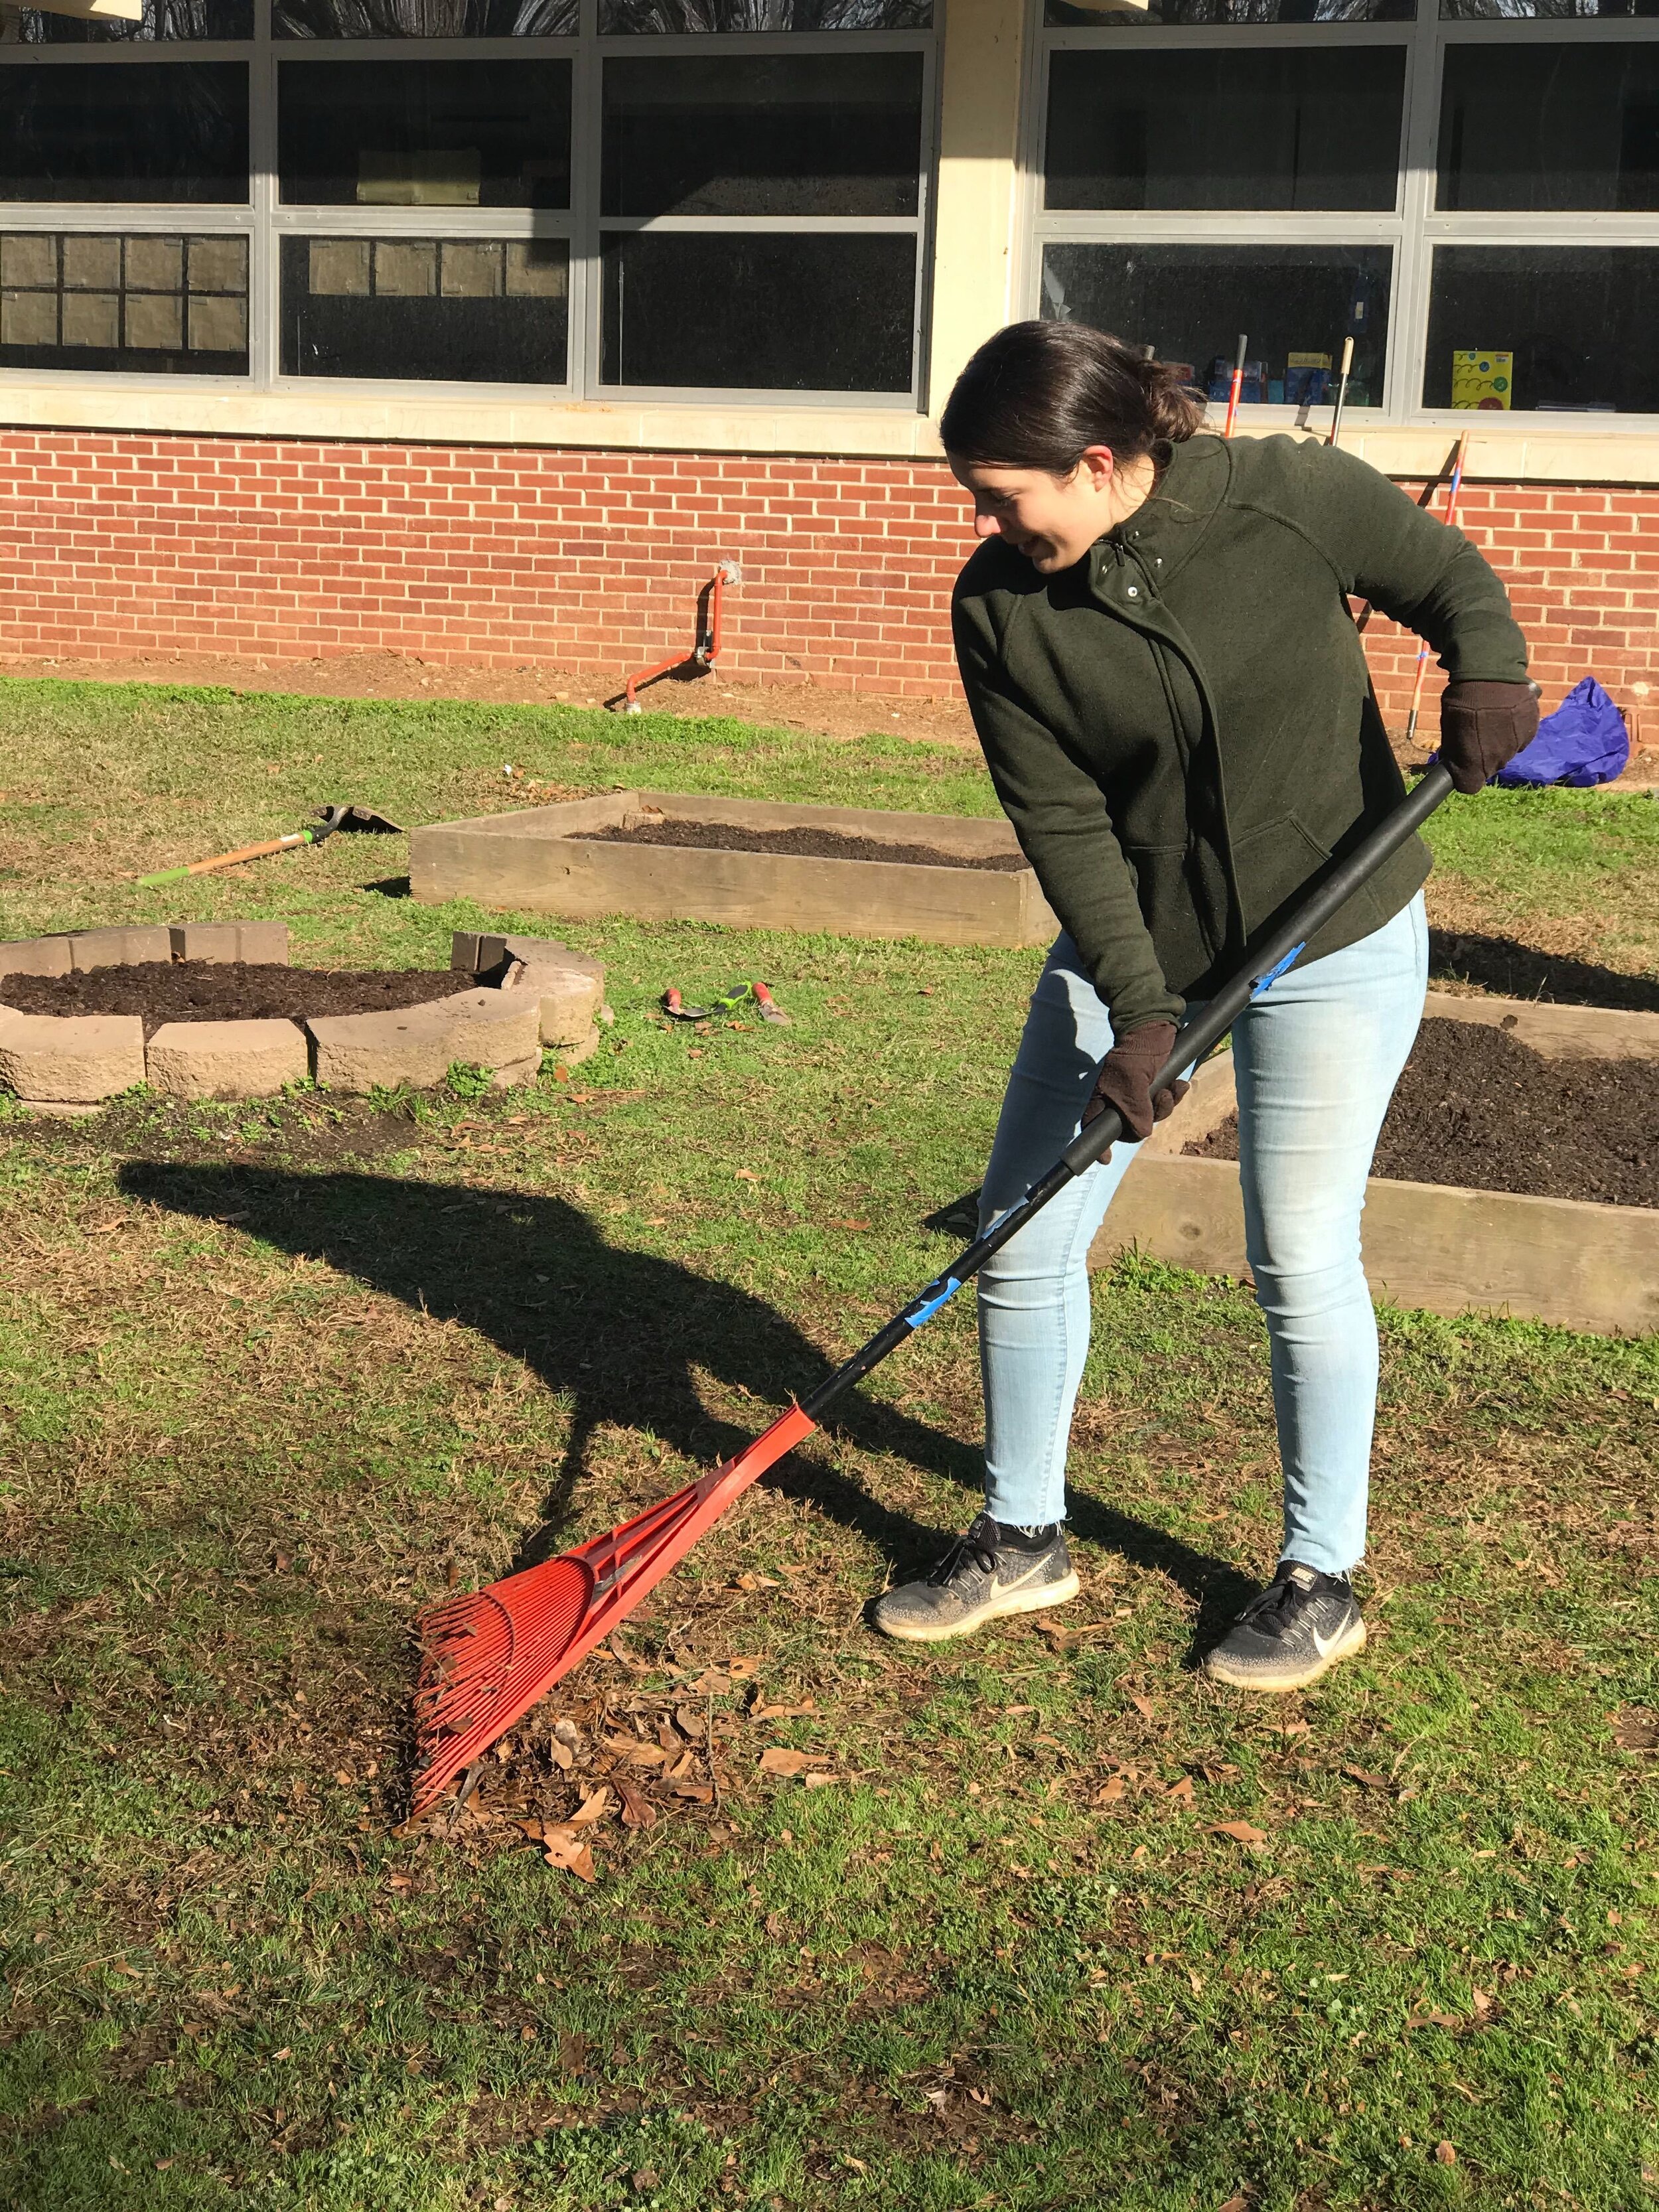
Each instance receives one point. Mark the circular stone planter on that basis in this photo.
(530, 994)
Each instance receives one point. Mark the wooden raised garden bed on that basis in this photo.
(745, 862)
(1582, 1263)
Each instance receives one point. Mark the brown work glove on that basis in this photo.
(1484, 726)
(1125, 1080)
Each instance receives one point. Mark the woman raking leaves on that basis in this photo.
(1155, 638)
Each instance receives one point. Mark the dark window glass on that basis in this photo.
(1112, 14)
(459, 311)
(1541, 127)
(158, 305)
(110, 130)
(1483, 11)
(758, 133)
(1543, 326)
(1290, 127)
(618, 17)
(161, 19)
(753, 311)
(425, 134)
(1296, 304)
(423, 19)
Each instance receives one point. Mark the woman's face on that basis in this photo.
(1052, 520)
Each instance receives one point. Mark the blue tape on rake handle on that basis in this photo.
(925, 1307)
(1263, 982)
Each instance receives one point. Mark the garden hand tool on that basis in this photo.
(329, 819)
(490, 1655)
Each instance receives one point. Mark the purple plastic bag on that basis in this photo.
(1583, 742)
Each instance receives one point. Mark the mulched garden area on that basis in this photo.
(809, 844)
(230, 991)
(1475, 1109)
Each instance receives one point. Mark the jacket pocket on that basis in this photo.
(1274, 865)
(1169, 907)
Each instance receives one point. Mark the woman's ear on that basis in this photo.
(1097, 467)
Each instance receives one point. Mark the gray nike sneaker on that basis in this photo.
(1293, 1632)
(990, 1572)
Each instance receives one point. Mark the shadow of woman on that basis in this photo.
(622, 1336)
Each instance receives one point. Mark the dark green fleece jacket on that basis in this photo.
(1180, 728)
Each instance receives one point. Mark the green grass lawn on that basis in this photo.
(1062, 1927)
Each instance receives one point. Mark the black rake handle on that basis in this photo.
(1193, 1039)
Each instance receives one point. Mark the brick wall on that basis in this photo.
(115, 544)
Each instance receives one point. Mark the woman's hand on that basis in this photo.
(1482, 728)
(1125, 1080)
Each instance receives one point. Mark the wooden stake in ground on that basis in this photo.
(1423, 643)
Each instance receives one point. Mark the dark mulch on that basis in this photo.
(229, 991)
(1476, 1108)
(810, 844)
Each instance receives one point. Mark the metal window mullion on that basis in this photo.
(1242, 38)
(1545, 31)
(130, 56)
(587, 153)
(926, 223)
(617, 46)
(264, 276)
(440, 222)
(318, 54)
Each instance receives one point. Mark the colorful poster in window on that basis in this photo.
(1482, 378)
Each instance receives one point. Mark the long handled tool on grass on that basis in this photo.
(329, 819)
(489, 1656)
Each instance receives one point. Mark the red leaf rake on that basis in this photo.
(490, 1655)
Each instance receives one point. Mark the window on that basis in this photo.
(1472, 196)
(88, 299)
(673, 198)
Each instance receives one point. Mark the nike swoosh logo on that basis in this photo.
(1322, 1643)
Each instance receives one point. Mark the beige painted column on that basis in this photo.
(979, 139)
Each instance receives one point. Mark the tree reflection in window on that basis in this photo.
(162, 19)
(619, 17)
(423, 19)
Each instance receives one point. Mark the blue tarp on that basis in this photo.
(1583, 742)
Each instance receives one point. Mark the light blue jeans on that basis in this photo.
(1317, 1057)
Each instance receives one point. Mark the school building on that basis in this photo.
(484, 330)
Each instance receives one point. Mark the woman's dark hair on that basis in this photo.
(1038, 395)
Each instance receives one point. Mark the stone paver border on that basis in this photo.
(532, 993)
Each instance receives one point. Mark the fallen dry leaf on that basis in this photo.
(698, 1793)
(637, 1754)
(781, 1712)
(745, 1174)
(636, 1811)
(1109, 1792)
(1235, 2204)
(1444, 2154)
(566, 1847)
(596, 1806)
(1181, 1793)
(1366, 1781)
(684, 1767)
(1241, 1832)
(690, 1724)
(821, 1781)
(1432, 2020)
(846, 1224)
(711, 1683)
(748, 1582)
(745, 1665)
(1144, 1707)
(779, 1760)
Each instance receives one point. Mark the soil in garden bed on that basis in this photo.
(1476, 1108)
(229, 991)
(808, 844)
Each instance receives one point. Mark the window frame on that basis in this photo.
(1414, 228)
(265, 220)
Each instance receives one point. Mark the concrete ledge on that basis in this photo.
(118, 948)
(568, 1000)
(75, 1060)
(227, 1060)
(417, 1045)
(264, 942)
(533, 860)
(35, 956)
(1432, 1245)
